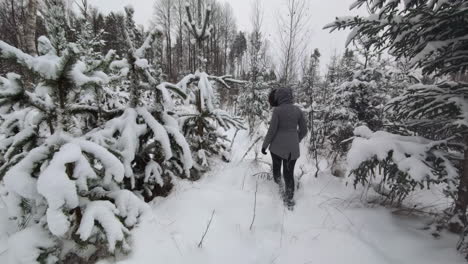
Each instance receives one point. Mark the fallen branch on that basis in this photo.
(250, 148)
(206, 230)
(233, 138)
(255, 205)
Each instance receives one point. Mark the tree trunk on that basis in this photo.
(169, 45)
(458, 220)
(30, 28)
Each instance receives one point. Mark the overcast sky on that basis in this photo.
(321, 12)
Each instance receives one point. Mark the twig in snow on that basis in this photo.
(206, 230)
(177, 244)
(255, 205)
(233, 138)
(282, 226)
(250, 148)
(243, 181)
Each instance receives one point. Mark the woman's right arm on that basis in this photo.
(271, 130)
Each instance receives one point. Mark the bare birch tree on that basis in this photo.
(292, 27)
(163, 15)
(256, 38)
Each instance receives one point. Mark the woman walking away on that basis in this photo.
(287, 129)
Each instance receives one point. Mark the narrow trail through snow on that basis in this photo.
(328, 225)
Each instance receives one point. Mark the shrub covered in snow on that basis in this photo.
(147, 135)
(395, 165)
(253, 104)
(203, 124)
(356, 102)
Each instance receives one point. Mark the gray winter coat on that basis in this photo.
(283, 135)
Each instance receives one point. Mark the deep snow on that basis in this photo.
(330, 224)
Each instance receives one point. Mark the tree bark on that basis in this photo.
(459, 217)
(30, 28)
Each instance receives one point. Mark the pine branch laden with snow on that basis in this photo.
(31, 244)
(441, 105)
(69, 183)
(396, 165)
(67, 84)
(428, 32)
(142, 140)
(203, 132)
(30, 115)
(201, 120)
(202, 85)
(62, 90)
(439, 111)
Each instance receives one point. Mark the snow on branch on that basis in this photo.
(172, 127)
(443, 101)
(129, 206)
(128, 142)
(155, 33)
(83, 108)
(82, 76)
(199, 33)
(415, 156)
(104, 213)
(12, 90)
(45, 65)
(410, 30)
(160, 133)
(10, 86)
(27, 245)
(58, 189)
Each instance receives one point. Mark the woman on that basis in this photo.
(287, 129)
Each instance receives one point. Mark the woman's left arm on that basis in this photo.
(271, 130)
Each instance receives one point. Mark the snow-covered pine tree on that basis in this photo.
(253, 97)
(61, 190)
(309, 85)
(253, 101)
(359, 101)
(98, 101)
(347, 66)
(201, 119)
(147, 135)
(308, 93)
(432, 34)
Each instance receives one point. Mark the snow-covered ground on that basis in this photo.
(328, 225)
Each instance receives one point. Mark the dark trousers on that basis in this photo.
(288, 174)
